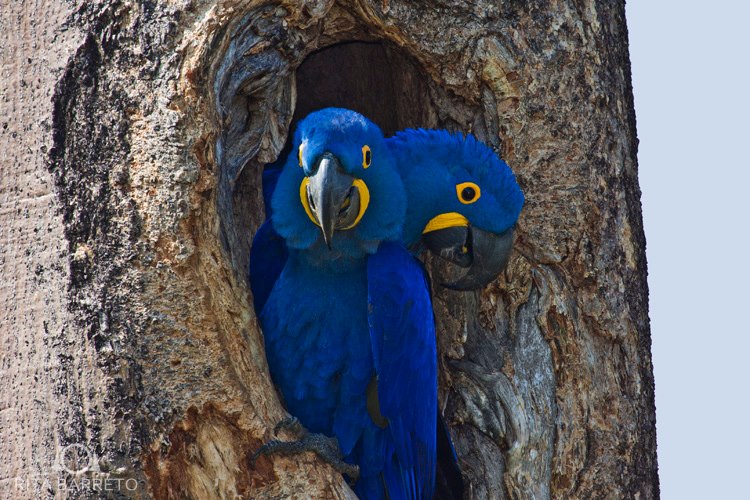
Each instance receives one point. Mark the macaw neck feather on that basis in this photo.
(330, 261)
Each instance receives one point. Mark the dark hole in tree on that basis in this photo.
(370, 78)
(375, 79)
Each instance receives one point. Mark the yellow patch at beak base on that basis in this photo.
(364, 201)
(303, 199)
(449, 219)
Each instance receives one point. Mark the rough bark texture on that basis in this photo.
(134, 135)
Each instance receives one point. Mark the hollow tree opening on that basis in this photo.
(374, 79)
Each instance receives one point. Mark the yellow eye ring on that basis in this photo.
(299, 153)
(468, 192)
(366, 156)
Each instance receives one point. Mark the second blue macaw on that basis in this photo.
(463, 201)
(348, 323)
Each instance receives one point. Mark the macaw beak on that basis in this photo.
(485, 254)
(330, 196)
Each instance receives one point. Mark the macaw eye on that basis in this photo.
(366, 156)
(299, 153)
(468, 192)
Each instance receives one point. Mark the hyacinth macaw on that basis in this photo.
(348, 323)
(463, 201)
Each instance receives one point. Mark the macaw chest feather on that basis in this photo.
(317, 342)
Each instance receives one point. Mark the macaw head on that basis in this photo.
(339, 192)
(463, 201)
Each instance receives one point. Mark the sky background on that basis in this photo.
(691, 64)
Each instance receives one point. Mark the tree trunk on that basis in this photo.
(133, 138)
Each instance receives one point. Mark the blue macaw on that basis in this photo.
(463, 201)
(348, 323)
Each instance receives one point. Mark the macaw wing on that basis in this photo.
(268, 257)
(402, 333)
(270, 178)
(268, 253)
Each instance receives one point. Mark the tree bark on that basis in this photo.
(134, 135)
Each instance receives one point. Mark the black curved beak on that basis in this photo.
(327, 190)
(485, 254)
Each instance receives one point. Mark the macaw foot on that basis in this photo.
(290, 424)
(324, 446)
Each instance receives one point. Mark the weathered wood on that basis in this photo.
(134, 138)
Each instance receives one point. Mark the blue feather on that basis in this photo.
(268, 256)
(268, 253)
(403, 339)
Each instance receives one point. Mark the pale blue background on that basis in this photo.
(691, 81)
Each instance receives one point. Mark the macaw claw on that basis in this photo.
(290, 424)
(324, 446)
